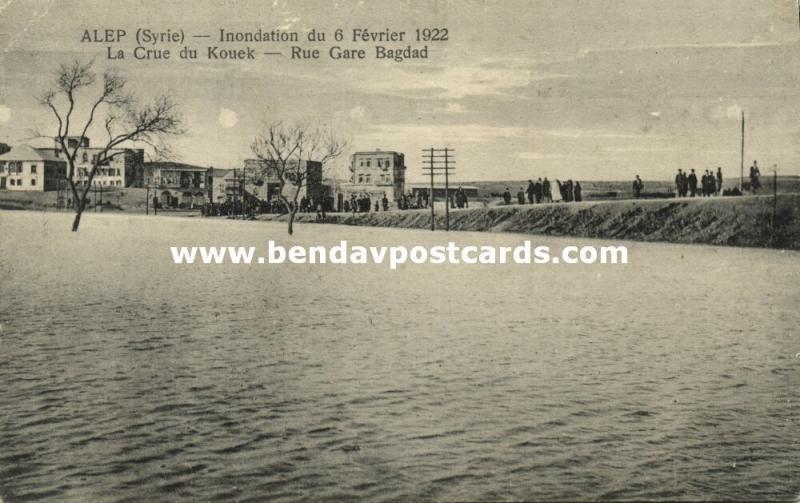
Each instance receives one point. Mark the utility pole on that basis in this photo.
(741, 159)
(433, 214)
(435, 161)
(147, 201)
(446, 191)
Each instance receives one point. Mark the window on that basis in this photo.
(379, 163)
(12, 182)
(367, 178)
(368, 163)
(362, 163)
(33, 169)
(360, 178)
(33, 181)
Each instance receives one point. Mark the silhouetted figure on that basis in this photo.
(577, 190)
(679, 183)
(531, 192)
(693, 184)
(547, 191)
(755, 183)
(520, 196)
(719, 180)
(638, 185)
(507, 196)
(385, 202)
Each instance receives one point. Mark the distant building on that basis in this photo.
(26, 168)
(376, 173)
(176, 185)
(120, 171)
(261, 180)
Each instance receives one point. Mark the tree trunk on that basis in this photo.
(79, 207)
(291, 221)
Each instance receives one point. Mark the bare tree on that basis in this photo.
(284, 152)
(125, 121)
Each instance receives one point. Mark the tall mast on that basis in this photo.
(741, 165)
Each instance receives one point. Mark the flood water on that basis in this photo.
(126, 377)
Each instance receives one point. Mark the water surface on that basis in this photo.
(126, 377)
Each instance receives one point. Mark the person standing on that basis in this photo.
(507, 196)
(531, 191)
(521, 196)
(692, 184)
(719, 179)
(638, 185)
(577, 190)
(755, 183)
(712, 184)
(679, 183)
(547, 191)
(538, 191)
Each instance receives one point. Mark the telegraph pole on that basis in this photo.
(433, 214)
(741, 160)
(437, 161)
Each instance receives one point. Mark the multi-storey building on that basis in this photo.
(261, 179)
(119, 171)
(376, 173)
(26, 168)
(176, 184)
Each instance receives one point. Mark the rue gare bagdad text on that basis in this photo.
(350, 44)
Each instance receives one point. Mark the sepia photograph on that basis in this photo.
(399, 250)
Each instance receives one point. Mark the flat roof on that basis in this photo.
(370, 152)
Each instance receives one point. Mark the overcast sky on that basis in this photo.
(565, 88)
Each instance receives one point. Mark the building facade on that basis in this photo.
(119, 171)
(26, 168)
(376, 173)
(261, 180)
(176, 185)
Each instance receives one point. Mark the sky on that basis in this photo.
(587, 90)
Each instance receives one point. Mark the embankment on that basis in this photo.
(731, 221)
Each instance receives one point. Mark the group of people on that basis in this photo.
(541, 191)
(686, 184)
(408, 201)
(362, 203)
(709, 184)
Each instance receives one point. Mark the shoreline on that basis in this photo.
(731, 221)
(745, 221)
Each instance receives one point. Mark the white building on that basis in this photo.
(376, 173)
(26, 168)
